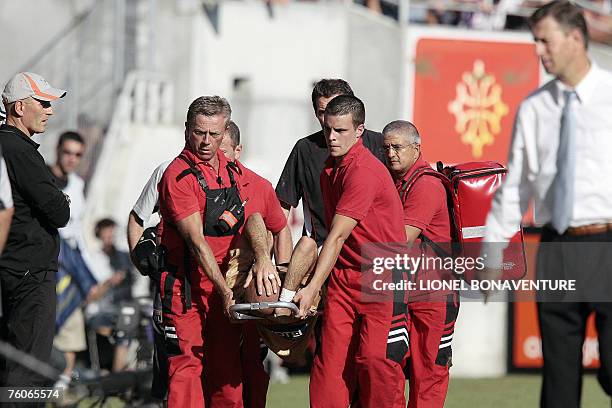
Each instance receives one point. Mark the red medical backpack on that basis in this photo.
(470, 188)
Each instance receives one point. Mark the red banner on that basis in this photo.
(466, 94)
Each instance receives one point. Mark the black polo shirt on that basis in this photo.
(300, 178)
(40, 207)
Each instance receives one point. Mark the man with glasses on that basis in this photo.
(75, 281)
(431, 315)
(29, 262)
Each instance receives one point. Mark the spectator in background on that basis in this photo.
(29, 262)
(600, 24)
(70, 148)
(75, 282)
(113, 268)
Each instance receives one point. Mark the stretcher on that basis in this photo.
(287, 336)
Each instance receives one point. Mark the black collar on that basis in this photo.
(18, 132)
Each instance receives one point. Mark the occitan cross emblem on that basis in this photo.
(478, 108)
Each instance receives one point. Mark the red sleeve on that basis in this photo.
(274, 217)
(425, 199)
(358, 192)
(178, 199)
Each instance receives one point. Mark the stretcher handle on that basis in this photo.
(249, 307)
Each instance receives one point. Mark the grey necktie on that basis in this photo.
(563, 185)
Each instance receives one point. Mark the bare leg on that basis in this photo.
(303, 261)
(70, 357)
(120, 358)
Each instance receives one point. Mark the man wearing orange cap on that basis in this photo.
(29, 261)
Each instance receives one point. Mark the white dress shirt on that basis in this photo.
(532, 159)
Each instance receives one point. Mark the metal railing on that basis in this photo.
(146, 98)
(87, 58)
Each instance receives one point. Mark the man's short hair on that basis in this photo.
(567, 14)
(327, 88)
(209, 106)
(404, 128)
(345, 105)
(234, 133)
(70, 135)
(102, 224)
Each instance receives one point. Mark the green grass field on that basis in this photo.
(512, 391)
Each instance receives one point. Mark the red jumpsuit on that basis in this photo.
(432, 315)
(200, 338)
(364, 341)
(185, 299)
(235, 370)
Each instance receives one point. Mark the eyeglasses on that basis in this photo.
(398, 148)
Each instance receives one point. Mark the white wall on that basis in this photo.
(27, 25)
(279, 59)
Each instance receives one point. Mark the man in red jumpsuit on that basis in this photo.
(431, 315)
(359, 362)
(234, 374)
(202, 205)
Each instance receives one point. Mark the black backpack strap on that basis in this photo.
(187, 271)
(232, 168)
(192, 170)
(421, 171)
(437, 248)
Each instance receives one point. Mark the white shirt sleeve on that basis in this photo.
(512, 199)
(6, 195)
(149, 196)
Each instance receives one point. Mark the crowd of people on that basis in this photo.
(220, 237)
(491, 15)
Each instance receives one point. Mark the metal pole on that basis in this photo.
(75, 56)
(151, 62)
(119, 42)
(404, 12)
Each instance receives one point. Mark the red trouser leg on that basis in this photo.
(183, 332)
(332, 379)
(255, 380)
(355, 363)
(431, 331)
(222, 365)
(379, 359)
